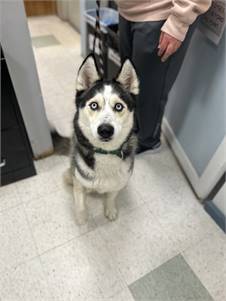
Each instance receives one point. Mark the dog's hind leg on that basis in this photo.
(110, 209)
(80, 202)
(68, 177)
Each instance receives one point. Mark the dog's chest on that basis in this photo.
(110, 174)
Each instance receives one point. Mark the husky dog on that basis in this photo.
(103, 144)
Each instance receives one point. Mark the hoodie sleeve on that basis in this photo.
(183, 14)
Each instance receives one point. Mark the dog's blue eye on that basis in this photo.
(119, 107)
(94, 106)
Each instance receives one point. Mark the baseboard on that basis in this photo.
(216, 214)
(203, 184)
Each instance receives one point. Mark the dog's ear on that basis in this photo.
(87, 74)
(127, 77)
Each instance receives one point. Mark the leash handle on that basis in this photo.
(98, 33)
(97, 24)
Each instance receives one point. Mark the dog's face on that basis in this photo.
(105, 109)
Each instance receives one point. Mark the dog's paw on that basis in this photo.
(111, 214)
(81, 217)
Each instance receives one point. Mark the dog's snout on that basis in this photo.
(105, 131)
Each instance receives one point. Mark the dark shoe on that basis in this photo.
(155, 148)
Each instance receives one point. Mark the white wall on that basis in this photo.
(196, 108)
(196, 112)
(69, 10)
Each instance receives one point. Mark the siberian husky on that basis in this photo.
(103, 143)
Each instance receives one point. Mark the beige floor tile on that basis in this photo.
(50, 163)
(186, 227)
(137, 243)
(16, 240)
(25, 282)
(52, 220)
(8, 197)
(36, 187)
(124, 295)
(82, 269)
(156, 178)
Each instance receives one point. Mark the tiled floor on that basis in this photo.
(162, 232)
(57, 52)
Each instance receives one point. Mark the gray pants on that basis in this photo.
(139, 42)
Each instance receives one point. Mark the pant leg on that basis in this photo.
(156, 77)
(125, 47)
(125, 39)
(175, 65)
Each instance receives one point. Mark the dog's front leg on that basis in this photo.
(110, 209)
(80, 202)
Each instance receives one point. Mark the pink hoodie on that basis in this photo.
(179, 14)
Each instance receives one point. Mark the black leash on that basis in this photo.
(98, 35)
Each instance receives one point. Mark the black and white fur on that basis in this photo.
(102, 107)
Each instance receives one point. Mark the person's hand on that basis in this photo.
(167, 46)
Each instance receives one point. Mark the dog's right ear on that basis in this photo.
(87, 74)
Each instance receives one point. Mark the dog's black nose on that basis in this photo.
(105, 131)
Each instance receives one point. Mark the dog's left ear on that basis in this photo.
(127, 77)
(87, 74)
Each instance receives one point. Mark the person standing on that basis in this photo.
(155, 35)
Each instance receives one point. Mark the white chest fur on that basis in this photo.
(110, 173)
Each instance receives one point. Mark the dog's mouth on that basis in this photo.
(102, 139)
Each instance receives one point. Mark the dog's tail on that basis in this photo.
(61, 144)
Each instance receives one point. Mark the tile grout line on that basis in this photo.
(124, 284)
(69, 241)
(30, 229)
(66, 242)
(37, 252)
(183, 249)
(49, 288)
(196, 274)
(11, 207)
(56, 189)
(21, 263)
